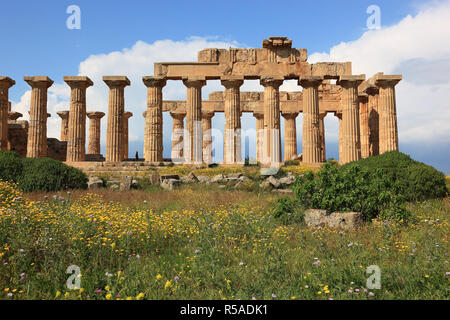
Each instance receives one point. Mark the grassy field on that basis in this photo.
(201, 242)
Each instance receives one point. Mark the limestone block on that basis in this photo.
(170, 184)
(95, 183)
(335, 220)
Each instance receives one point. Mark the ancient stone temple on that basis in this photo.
(365, 109)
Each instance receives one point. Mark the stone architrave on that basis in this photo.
(5, 84)
(388, 112)
(272, 137)
(259, 135)
(323, 153)
(153, 139)
(76, 140)
(311, 119)
(116, 103)
(64, 115)
(37, 130)
(364, 125)
(126, 116)
(94, 131)
(177, 137)
(351, 148)
(374, 120)
(193, 150)
(290, 136)
(232, 138)
(207, 137)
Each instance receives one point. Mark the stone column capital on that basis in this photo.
(232, 81)
(386, 81)
(271, 82)
(95, 114)
(14, 115)
(6, 82)
(116, 81)
(363, 97)
(370, 89)
(38, 81)
(78, 81)
(127, 114)
(310, 81)
(289, 115)
(152, 82)
(322, 115)
(258, 115)
(63, 114)
(338, 115)
(179, 116)
(194, 82)
(207, 115)
(351, 81)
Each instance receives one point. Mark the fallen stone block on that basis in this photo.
(335, 220)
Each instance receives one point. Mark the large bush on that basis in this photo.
(414, 180)
(50, 175)
(10, 166)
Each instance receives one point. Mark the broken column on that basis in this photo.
(272, 137)
(5, 84)
(37, 130)
(232, 138)
(311, 126)
(153, 139)
(207, 137)
(94, 131)
(64, 115)
(193, 151)
(364, 125)
(290, 136)
(126, 116)
(76, 140)
(388, 112)
(259, 134)
(351, 147)
(116, 103)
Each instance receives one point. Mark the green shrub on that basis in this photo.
(288, 210)
(10, 166)
(50, 175)
(414, 180)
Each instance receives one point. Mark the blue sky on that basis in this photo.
(37, 42)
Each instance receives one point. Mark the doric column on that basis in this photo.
(153, 144)
(259, 135)
(193, 151)
(94, 131)
(290, 136)
(37, 130)
(126, 116)
(177, 137)
(116, 102)
(76, 139)
(64, 115)
(364, 125)
(272, 137)
(374, 119)
(5, 84)
(340, 141)
(232, 139)
(323, 154)
(207, 137)
(351, 148)
(311, 126)
(388, 112)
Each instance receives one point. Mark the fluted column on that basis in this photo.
(351, 148)
(364, 125)
(193, 151)
(232, 139)
(311, 126)
(5, 84)
(37, 130)
(76, 140)
(272, 137)
(207, 137)
(323, 154)
(340, 142)
(126, 116)
(388, 112)
(290, 136)
(94, 131)
(177, 137)
(374, 120)
(116, 103)
(259, 135)
(153, 137)
(64, 115)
